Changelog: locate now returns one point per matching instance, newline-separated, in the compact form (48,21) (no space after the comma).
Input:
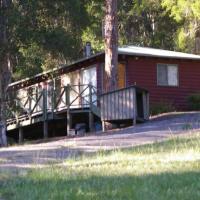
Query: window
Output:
(167,75)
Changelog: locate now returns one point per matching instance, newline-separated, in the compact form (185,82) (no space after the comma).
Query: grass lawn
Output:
(163,171)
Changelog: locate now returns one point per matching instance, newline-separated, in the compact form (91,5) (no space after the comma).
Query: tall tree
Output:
(5,67)
(111,45)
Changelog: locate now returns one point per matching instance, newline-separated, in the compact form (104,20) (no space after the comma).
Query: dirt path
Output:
(56,151)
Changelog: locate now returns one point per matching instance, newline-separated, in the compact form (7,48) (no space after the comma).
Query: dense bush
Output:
(161,107)
(194,101)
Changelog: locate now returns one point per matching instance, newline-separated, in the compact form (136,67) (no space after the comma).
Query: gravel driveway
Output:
(157,129)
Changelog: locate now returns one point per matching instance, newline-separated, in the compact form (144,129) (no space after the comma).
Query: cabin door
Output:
(121,77)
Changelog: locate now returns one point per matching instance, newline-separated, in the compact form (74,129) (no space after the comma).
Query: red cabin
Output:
(166,77)
(170,77)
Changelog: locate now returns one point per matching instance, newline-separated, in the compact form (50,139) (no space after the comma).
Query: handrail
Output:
(25,107)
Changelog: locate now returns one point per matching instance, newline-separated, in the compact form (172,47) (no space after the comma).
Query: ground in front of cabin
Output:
(166,169)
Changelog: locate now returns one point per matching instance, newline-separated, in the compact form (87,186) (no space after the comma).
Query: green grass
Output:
(163,171)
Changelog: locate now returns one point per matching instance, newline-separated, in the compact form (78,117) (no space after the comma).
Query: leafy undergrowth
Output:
(161,171)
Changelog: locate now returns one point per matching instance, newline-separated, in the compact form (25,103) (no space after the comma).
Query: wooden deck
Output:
(29,107)
(45,105)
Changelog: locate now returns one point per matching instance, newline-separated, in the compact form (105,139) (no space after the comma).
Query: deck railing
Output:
(31,102)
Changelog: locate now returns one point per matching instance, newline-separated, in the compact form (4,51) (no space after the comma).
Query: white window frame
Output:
(167,84)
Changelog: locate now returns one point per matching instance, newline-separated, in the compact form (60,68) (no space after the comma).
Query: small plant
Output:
(194,101)
(161,107)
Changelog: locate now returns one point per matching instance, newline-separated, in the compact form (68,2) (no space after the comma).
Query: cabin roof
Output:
(84,62)
(151,52)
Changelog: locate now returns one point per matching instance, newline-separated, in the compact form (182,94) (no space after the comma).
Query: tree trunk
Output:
(111,46)
(197,42)
(5,79)
(5,68)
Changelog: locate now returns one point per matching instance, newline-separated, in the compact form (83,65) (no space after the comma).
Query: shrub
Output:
(194,101)
(161,107)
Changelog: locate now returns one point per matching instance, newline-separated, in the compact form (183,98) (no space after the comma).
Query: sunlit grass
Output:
(161,171)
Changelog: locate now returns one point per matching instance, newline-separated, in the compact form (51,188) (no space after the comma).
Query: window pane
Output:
(172,75)
(162,74)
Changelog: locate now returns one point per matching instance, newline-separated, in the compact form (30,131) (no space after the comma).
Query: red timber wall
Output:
(143,72)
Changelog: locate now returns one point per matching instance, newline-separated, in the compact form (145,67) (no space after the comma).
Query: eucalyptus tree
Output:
(111,45)
(5,66)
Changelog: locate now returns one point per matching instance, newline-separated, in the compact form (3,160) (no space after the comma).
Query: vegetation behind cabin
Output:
(43,35)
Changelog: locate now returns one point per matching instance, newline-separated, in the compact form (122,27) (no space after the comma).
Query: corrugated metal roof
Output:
(151,52)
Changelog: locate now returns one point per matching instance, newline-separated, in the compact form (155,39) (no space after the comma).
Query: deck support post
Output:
(21,135)
(134,107)
(67,100)
(91,121)
(145,97)
(103,126)
(45,129)
(69,121)
(45,122)
(107,125)
(91,116)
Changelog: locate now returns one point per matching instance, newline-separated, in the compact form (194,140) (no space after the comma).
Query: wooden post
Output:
(67,95)
(45,120)
(147,99)
(29,98)
(91,121)
(67,99)
(91,116)
(103,126)
(21,135)
(146,105)
(45,129)
(53,101)
(134,106)
(144,101)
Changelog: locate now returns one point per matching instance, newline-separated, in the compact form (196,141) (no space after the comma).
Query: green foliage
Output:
(30,61)
(44,32)
(142,23)
(186,13)
(194,101)
(162,107)
(146,23)
(93,32)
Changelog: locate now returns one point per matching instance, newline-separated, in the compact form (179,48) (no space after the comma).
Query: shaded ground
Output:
(56,151)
